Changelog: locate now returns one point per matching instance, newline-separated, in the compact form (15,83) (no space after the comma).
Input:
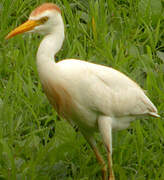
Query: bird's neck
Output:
(50,45)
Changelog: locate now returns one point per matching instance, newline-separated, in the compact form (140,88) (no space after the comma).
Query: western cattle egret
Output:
(94,97)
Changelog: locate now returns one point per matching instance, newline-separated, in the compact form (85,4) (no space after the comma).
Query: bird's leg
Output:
(100,159)
(111,173)
(104,124)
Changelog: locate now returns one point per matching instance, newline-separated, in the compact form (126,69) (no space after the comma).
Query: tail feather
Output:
(154,114)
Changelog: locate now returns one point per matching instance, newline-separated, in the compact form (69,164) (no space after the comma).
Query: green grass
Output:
(34,143)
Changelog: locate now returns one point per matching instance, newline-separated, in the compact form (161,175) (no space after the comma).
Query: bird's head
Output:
(43,20)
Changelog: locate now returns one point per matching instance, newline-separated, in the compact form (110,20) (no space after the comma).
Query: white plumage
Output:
(94,97)
(100,90)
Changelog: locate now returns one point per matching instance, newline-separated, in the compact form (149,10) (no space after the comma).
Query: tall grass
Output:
(34,143)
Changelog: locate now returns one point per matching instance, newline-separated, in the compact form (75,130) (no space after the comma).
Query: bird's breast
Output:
(67,106)
(59,98)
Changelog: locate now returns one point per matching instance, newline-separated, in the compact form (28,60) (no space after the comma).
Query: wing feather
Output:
(106,90)
(124,96)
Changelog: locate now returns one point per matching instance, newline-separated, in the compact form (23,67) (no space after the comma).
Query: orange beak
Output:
(27,26)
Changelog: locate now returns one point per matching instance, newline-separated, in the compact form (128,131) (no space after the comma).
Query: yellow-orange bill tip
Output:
(27,26)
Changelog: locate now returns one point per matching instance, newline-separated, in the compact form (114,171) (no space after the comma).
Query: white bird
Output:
(94,97)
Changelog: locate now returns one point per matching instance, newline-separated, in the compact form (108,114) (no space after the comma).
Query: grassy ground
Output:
(34,143)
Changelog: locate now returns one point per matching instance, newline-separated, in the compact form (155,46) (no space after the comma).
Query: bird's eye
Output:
(43,20)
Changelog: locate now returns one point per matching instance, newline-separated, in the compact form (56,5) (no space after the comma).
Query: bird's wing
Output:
(105,90)
(119,94)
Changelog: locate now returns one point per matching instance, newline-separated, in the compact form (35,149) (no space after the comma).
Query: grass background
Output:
(34,143)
